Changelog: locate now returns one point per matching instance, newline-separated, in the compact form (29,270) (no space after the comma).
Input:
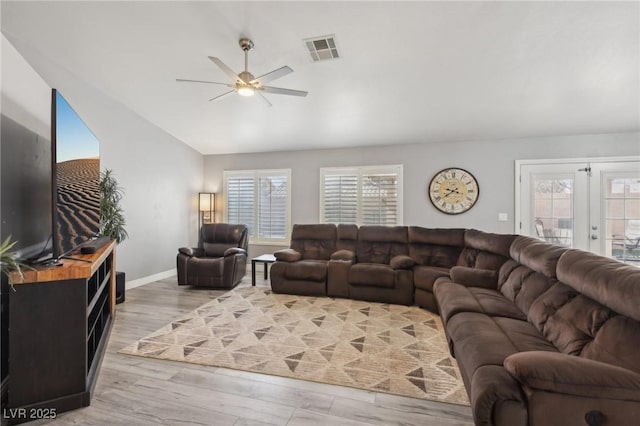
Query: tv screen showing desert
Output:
(77,180)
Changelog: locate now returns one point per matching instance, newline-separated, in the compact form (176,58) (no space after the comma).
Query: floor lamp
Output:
(207,207)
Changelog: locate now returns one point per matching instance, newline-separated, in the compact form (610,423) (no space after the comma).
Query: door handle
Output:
(594,237)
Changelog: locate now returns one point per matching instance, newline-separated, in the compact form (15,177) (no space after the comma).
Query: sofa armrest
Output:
(287,255)
(233,251)
(191,251)
(346,255)
(401,262)
(573,375)
(472,277)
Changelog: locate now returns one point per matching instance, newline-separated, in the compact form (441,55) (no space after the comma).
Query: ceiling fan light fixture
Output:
(246,91)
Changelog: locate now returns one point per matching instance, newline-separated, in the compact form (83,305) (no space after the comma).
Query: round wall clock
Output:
(453,190)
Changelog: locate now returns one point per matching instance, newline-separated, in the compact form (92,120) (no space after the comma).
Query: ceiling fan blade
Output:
(228,71)
(280,91)
(184,80)
(220,96)
(266,101)
(270,76)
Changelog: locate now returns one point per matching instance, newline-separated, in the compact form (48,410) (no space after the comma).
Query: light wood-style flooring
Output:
(139,391)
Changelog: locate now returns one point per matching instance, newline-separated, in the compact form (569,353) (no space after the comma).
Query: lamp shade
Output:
(207,202)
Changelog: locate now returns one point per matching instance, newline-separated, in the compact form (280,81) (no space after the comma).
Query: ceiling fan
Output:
(245,84)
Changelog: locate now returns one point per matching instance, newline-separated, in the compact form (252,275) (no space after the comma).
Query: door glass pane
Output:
(622,209)
(553,208)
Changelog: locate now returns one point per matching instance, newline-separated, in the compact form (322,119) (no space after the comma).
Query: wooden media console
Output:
(60,318)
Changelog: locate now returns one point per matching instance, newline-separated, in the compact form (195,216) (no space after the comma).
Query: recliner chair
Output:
(220,261)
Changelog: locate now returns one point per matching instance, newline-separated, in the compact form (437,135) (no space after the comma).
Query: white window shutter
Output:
(240,201)
(272,206)
(379,199)
(340,198)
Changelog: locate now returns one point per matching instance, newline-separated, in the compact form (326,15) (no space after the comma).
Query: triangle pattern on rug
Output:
(431,324)
(383,386)
(318,320)
(327,351)
(358,343)
(260,333)
(410,330)
(240,313)
(342,316)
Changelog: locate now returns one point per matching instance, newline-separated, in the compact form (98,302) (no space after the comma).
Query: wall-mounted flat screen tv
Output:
(76,176)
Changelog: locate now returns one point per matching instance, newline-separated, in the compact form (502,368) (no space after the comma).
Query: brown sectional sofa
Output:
(542,334)
(552,338)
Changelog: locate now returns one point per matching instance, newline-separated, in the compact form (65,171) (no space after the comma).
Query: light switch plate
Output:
(503,217)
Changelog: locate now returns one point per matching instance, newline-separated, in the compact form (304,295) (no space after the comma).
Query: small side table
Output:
(266,259)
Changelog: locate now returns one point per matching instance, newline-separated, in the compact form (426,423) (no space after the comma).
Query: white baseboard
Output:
(149,279)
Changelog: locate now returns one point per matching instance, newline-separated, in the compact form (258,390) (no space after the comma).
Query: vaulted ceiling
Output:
(409,72)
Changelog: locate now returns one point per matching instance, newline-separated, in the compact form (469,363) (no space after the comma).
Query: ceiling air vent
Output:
(322,48)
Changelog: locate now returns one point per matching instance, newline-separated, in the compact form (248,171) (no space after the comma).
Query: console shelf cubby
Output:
(59,323)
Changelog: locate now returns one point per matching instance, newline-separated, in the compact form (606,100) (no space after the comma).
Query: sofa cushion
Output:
(566,374)
(604,280)
(482,340)
(313,270)
(522,285)
(203,267)
(347,237)
(484,250)
(425,276)
(346,255)
(536,254)
(401,262)
(371,274)
(287,255)
(316,241)
(621,333)
(435,247)
(488,242)
(473,277)
(575,324)
(455,298)
(379,244)
(218,237)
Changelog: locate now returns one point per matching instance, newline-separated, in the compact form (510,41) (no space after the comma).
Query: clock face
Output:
(453,191)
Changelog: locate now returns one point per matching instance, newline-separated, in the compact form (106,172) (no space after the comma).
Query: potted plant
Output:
(112,220)
(9,260)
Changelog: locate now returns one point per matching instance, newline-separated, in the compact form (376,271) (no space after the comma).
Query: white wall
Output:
(161,175)
(491,162)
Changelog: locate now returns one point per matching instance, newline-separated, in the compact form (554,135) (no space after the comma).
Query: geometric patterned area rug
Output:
(374,346)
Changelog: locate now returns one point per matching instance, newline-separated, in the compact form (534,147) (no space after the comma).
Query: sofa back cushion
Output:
(314,241)
(592,310)
(605,280)
(379,244)
(218,237)
(536,254)
(347,237)
(485,250)
(530,272)
(522,285)
(435,247)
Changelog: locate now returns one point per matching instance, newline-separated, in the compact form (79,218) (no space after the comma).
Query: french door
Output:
(591,204)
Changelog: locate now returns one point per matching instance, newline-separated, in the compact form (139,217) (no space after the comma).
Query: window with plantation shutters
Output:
(240,197)
(259,199)
(361,195)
